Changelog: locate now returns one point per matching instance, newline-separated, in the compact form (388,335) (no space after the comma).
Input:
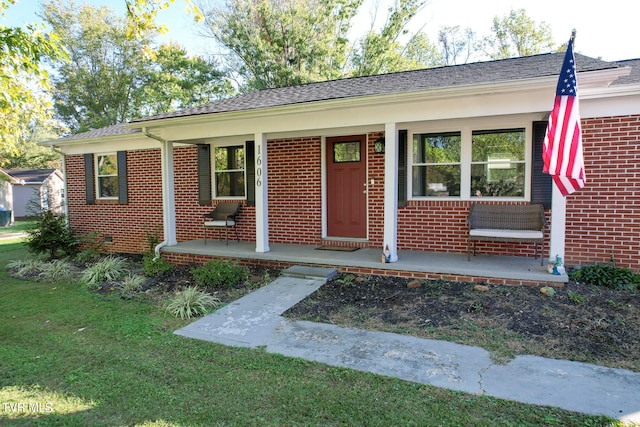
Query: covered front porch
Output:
(421,265)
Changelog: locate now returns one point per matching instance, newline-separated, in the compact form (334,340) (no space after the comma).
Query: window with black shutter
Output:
(541,186)
(402,169)
(204,174)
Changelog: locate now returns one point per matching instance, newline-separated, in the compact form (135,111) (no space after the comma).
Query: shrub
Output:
(50,235)
(131,285)
(56,271)
(107,270)
(220,273)
(153,238)
(191,302)
(153,266)
(26,268)
(608,275)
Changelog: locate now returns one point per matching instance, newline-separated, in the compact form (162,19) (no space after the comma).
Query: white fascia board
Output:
(104,144)
(601,79)
(4,176)
(627,103)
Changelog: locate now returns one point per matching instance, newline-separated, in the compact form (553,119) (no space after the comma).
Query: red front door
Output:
(346,185)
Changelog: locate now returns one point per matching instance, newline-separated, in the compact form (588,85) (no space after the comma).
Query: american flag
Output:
(562,150)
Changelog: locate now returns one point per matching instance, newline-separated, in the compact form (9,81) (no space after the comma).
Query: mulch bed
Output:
(579,322)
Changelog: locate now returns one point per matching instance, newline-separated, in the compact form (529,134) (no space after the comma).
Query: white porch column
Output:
(558,224)
(262,201)
(391,190)
(168,193)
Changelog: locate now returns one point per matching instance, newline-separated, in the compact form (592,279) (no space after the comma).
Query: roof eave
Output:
(79,145)
(587,80)
(350,102)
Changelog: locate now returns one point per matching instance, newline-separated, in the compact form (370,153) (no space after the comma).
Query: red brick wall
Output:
(603,218)
(375,171)
(295,191)
(441,226)
(126,224)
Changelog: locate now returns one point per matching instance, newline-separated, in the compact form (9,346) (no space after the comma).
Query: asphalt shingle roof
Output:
(506,70)
(113,130)
(632,78)
(431,78)
(30,175)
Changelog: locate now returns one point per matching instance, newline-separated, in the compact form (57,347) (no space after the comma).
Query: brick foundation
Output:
(192,259)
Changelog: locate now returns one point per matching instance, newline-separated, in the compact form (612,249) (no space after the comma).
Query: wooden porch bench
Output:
(223,216)
(506,223)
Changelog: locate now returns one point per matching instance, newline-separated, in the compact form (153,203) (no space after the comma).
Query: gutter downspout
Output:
(168,195)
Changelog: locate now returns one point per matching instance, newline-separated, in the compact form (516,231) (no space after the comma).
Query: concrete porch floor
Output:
(493,269)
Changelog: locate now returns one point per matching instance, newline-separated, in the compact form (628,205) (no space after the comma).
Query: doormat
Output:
(337,248)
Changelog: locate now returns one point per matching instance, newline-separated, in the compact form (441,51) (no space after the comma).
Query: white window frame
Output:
(427,164)
(500,163)
(466,129)
(96,159)
(214,182)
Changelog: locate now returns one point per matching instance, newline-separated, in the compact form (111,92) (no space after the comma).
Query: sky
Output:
(610,31)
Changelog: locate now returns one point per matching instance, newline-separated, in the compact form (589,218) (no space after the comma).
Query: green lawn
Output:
(16,227)
(71,357)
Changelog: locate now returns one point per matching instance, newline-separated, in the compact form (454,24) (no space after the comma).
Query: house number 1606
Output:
(259,167)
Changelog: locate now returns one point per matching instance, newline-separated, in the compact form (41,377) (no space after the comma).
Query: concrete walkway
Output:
(7,236)
(255,320)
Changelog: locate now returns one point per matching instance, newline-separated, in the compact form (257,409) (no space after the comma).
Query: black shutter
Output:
(204,174)
(402,168)
(540,182)
(251,173)
(89,178)
(123,197)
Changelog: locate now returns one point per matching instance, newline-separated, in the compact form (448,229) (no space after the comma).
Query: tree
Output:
(50,235)
(517,35)
(174,81)
(382,52)
(457,46)
(112,78)
(29,155)
(22,80)
(282,42)
(141,15)
(421,53)
(94,88)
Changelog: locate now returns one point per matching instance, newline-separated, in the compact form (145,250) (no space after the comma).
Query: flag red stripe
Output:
(565,111)
(562,147)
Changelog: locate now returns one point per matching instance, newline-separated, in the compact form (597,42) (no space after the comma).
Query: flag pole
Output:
(558,224)
(558,211)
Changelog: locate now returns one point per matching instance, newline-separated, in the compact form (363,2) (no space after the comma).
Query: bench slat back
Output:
(224,211)
(507,217)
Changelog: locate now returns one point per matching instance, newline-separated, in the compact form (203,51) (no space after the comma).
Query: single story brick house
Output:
(389,160)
